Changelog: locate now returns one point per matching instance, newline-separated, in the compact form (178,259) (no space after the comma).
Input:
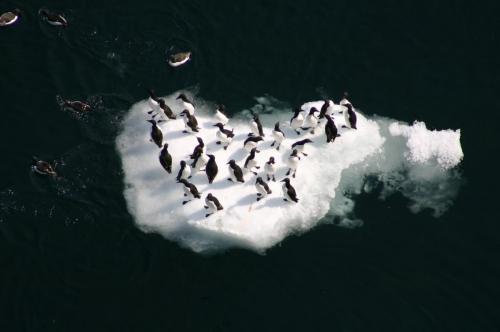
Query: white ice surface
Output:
(325,178)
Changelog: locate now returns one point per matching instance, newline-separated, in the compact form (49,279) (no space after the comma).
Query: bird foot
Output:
(255,173)
(286,200)
(184,202)
(185,195)
(305,154)
(259,198)
(230,180)
(344,126)
(206,207)
(185,131)
(208,215)
(218,142)
(273,144)
(259,194)
(257,167)
(297,132)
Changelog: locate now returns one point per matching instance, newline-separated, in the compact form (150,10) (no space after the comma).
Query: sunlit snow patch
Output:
(379,147)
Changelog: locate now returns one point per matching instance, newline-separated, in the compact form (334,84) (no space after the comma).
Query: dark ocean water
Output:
(71,257)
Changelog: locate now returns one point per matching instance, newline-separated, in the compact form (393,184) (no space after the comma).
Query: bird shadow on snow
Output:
(238,155)
(222,184)
(246,200)
(271,203)
(173,135)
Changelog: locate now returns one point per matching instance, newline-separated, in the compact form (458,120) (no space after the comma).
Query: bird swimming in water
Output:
(42,167)
(77,106)
(156,133)
(289,193)
(178,59)
(53,18)
(262,188)
(9,18)
(212,204)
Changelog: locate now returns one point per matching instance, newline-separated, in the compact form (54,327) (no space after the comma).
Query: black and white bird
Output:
(53,18)
(153,100)
(184,171)
(220,114)
(224,136)
(278,136)
(190,122)
(156,133)
(198,162)
(251,143)
(42,167)
(186,103)
(197,149)
(350,117)
(235,172)
(9,18)
(297,120)
(270,169)
(211,168)
(262,188)
(178,59)
(344,100)
(166,159)
(311,121)
(250,162)
(77,106)
(326,109)
(331,130)
(289,194)
(190,191)
(300,145)
(212,204)
(293,163)
(256,126)
(167,111)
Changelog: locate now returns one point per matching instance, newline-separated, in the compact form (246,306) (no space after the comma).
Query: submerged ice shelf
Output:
(379,146)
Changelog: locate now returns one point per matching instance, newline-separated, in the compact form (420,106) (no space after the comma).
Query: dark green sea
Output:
(71,257)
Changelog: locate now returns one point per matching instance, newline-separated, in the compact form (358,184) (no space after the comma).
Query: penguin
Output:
(293,162)
(9,18)
(178,59)
(256,127)
(166,110)
(326,109)
(198,149)
(262,188)
(77,106)
(200,161)
(270,169)
(53,18)
(186,103)
(235,172)
(184,171)
(311,121)
(220,114)
(250,162)
(300,145)
(278,136)
(152,100)
(166,159)
(251,143)
(225,136)
(289,193)
(212,204)
(344,100)
(330,129)
(211,168)
(350,117)
(190,191)
(42,167)
(156,134)
(297,120)
(190,122)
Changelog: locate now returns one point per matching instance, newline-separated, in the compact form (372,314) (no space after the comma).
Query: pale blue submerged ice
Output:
(383,153)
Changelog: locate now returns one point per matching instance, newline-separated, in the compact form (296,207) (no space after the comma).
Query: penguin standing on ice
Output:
(156,134)
(300,145)
(251,143)
(311,121)
(297,120)
(186,103)
(197,149)
(166,159)
(293,162)
(220,114)
(166,110)
(344,100)
(212,204)
(256,127)
(190,122)
(330,130)
(184,171)
(198,162)
(262,188)
(270,169)
(225,136)
(350,117)
(211,168)
(250,162)
(278,136)
(235,172)
(190,191)
(289,193)
(153,100)
(326,109)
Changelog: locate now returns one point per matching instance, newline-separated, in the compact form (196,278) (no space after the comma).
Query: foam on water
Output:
(409,159)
